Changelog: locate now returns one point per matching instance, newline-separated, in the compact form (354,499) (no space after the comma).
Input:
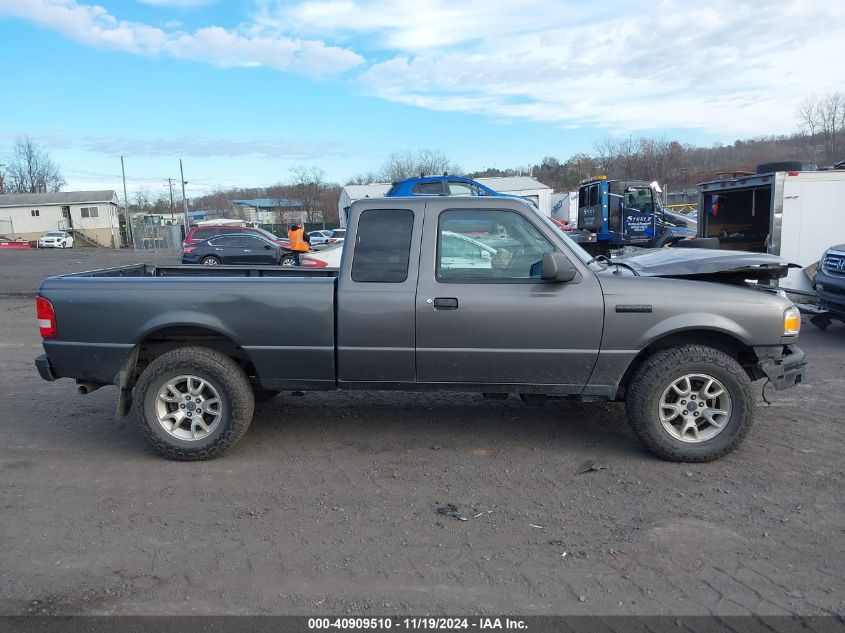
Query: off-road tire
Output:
(655,375)
(218,369)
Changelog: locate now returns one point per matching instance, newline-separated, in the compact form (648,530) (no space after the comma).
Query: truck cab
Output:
(626,213)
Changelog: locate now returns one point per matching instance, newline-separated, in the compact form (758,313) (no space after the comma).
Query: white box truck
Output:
(794,214)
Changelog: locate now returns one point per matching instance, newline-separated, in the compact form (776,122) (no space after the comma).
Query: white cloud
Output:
(720,66)
(176,3)
(242,46)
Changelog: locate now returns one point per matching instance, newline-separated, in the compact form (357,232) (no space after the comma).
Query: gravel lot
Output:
(329,503)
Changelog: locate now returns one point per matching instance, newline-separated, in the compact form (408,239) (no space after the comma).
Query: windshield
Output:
(639,198)
(54,234)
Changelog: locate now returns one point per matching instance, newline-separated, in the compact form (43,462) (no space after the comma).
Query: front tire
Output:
(193,403)
(287,260)
(690,404)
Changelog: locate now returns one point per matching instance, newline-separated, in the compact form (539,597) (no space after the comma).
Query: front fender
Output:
(697,321)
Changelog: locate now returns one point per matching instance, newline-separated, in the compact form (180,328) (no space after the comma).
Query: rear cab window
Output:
(383,246)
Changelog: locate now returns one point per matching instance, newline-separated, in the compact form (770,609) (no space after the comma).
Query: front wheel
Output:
(690,404)
(287,260)
(193,403)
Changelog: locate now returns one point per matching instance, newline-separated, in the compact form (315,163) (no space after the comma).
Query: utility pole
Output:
(184,198)
(126,217)
(170,184)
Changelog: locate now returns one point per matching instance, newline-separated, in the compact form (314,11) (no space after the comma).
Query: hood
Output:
(706,264)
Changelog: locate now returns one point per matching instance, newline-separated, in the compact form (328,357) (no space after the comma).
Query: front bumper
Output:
(45,369)
(785,369)
(831,291)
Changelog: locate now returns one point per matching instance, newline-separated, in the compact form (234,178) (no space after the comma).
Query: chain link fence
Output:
(150,233)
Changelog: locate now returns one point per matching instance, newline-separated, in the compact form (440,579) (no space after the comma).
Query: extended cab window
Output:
(383,246)
(488,245)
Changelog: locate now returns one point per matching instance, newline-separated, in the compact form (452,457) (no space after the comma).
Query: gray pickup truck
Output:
(446,294)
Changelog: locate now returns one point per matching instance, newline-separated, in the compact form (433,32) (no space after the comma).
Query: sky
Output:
(244,90)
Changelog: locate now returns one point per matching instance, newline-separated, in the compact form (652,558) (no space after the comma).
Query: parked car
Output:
(197,234)
(56,239)
(191,350)
(233,248)
(445,186)
(829,284)
(337,236)
(320,237)
(328,257)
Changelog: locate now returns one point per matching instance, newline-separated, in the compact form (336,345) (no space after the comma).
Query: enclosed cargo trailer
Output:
(794,214)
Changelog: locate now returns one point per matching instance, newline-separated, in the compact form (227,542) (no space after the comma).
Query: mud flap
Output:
(125,383)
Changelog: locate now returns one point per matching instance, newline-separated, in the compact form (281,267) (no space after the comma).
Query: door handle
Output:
(446,303)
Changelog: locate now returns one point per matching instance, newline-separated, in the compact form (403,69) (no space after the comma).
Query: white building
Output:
(513,185)
(89,215)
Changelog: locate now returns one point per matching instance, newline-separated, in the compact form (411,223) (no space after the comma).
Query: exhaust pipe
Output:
(85,388)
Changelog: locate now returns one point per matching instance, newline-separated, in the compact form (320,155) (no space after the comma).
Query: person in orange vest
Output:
(299,241)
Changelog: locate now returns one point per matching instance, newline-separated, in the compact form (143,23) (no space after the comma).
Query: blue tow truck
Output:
(628,213)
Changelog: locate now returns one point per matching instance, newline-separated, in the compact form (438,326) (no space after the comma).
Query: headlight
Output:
(791,321)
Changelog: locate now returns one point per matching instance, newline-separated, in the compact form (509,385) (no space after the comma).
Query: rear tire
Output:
(210,260)
(158,404)
(651,399)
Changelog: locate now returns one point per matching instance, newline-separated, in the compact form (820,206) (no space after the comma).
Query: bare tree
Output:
(607,152)
(308,185)
(406,164)
(808,124)
(824,116)
(31,170)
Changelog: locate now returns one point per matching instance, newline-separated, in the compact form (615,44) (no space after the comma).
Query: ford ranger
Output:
(464,294)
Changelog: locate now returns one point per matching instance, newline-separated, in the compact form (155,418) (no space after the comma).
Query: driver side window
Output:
(488,246)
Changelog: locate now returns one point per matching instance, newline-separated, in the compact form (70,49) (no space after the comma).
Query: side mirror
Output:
(267,247)
(557,267)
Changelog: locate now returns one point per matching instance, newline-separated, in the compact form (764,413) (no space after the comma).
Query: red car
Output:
(197,234)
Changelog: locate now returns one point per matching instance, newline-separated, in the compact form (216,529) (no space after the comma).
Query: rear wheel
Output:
(690,404)
(210,260)
(193,403)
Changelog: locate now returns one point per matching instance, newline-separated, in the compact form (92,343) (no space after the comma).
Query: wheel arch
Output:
(721,340)
(163,335)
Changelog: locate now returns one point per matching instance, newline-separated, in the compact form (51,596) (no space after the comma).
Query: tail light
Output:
(46,318)
(189,249)
(332,240)
(310,262)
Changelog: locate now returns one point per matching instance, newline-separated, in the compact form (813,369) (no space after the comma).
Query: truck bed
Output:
(150,270)
(282,319)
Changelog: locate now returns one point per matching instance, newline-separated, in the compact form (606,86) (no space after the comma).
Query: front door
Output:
(483,314)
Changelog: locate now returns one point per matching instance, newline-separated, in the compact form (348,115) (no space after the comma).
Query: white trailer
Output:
(565,207)
(794,214)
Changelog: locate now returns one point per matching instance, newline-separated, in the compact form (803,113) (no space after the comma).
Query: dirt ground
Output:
(329,504)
